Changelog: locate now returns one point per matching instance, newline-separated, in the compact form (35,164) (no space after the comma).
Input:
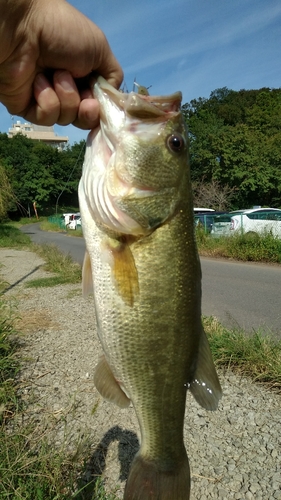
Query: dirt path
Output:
(234,453)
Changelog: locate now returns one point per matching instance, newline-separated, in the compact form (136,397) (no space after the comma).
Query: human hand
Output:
(48,50)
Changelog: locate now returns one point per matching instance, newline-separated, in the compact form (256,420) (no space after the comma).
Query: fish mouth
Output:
(138,105)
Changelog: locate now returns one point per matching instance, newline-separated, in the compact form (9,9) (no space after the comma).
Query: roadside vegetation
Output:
(257,356)
(55,225)
(11,237)
(256,248)
(32,469)
(58,263)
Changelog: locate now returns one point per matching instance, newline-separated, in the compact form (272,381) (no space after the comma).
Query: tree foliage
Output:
(38,172)
(235,140)
(6,193)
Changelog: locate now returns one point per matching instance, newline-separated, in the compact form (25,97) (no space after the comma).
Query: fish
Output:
(142,266)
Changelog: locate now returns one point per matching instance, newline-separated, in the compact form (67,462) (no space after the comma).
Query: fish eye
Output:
(175,143)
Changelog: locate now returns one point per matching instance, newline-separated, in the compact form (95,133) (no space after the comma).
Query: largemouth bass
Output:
(143,267)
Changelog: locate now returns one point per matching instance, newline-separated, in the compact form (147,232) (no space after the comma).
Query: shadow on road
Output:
(127,448)
(10,287)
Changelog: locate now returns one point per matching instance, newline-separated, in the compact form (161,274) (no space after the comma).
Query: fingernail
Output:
(64,79)
(41,82)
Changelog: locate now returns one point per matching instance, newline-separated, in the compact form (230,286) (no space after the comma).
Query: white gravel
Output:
(234,453)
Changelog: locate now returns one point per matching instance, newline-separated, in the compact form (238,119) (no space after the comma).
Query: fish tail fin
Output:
(205,386)
(148,481)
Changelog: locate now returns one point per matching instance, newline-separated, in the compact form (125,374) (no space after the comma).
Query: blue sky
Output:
(195,46)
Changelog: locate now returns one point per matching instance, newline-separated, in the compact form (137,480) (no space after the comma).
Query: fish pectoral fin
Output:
(205,385)
(108,386)
(87,279)
(124,271)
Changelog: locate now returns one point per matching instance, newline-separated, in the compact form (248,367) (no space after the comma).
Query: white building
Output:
(39,133)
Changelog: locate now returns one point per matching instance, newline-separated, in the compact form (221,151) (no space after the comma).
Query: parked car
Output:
(250,221)
(71,220)
(257,221)
(67,217)
(206,220)
(75,221)
(222,224)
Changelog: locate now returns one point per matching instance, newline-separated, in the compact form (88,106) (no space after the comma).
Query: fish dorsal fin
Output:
(87,278)
(124,271)
(108,386)
(205,386)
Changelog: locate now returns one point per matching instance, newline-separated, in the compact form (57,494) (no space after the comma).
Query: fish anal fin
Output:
(87,278)
(150,481)
(124,271)
(205,385)
(108,386)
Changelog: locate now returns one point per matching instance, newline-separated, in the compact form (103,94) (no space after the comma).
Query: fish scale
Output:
(147,285)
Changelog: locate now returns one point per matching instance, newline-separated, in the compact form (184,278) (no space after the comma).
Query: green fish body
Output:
(143,267)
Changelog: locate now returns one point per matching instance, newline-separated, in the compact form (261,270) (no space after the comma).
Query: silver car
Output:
(222,224)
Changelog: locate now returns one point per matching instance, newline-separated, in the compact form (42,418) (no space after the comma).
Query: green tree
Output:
(39,172)
(235,140)
(6,193)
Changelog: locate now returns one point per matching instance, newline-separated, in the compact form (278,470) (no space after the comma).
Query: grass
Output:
(46,225)
(257,248)
(11,237)
(62,265)
(8,363)
(257,356)
(31,469)
(24,221)
(56,225)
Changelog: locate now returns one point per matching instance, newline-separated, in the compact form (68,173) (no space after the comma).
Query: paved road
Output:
(73,245)
(239,294)
(242,294)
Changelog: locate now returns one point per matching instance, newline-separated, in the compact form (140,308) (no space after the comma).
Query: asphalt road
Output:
(238,294)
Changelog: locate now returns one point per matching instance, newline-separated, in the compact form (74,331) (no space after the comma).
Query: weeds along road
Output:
(239,294)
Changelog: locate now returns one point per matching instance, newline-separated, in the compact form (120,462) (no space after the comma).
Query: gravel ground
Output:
(234,453)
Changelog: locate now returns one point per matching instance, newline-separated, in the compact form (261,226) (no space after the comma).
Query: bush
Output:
(257,248)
